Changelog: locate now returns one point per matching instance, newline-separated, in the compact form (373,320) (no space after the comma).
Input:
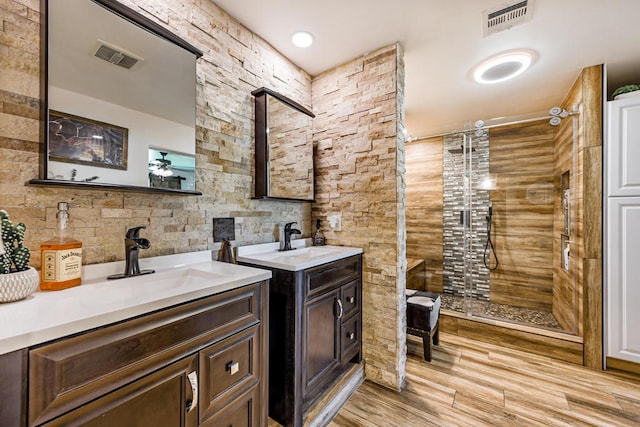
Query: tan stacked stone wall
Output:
(360,159)
(235,62)
(359,174)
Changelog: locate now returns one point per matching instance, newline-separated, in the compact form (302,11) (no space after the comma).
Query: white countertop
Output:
(303,256)
(44,316)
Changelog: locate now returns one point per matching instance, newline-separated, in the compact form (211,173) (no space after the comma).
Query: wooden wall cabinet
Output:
(315,334)
(202,363)
(283,148)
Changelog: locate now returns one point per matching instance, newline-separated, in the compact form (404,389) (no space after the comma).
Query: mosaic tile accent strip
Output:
(459,222)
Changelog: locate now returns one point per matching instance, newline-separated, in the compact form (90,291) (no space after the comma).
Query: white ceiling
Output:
(442,41)
(73,66)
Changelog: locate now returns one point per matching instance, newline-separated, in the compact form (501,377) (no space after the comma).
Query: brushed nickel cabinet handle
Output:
(341,309)
(193,381)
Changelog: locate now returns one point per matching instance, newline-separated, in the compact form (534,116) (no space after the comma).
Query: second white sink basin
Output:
(301,257)
(302,253)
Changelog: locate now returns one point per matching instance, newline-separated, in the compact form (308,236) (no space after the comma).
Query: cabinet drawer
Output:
(349,338)
(68,373)
(350,298)
(227,369)
(326,276)
(242,412)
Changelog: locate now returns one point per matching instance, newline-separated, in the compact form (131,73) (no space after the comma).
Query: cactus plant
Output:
(14,256)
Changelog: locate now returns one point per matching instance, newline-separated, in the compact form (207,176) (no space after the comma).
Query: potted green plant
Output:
(624,90)
(17,279)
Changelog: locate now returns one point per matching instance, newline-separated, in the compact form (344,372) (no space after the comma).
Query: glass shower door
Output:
(519,238)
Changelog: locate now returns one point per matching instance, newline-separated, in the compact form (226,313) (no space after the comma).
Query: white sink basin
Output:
(301,257)
(298,254)
(186,277)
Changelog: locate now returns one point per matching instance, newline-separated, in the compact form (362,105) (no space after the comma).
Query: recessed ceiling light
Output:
(302,39)
(503,66)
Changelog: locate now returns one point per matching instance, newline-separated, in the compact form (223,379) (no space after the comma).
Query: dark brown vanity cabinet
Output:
(314,334)
(202,363)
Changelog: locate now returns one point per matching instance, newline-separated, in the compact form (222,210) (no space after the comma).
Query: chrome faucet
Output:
(132,243)
(288,231)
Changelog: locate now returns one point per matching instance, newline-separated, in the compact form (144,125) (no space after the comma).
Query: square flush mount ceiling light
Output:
(503,66)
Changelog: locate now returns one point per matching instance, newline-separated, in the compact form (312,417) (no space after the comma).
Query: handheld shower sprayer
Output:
(488,247)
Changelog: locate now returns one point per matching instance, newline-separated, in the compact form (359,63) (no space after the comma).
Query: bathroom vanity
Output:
(182,347)
(315,324)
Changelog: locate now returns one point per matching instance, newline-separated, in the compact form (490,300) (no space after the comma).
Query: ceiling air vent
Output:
(116,55)
(506,16)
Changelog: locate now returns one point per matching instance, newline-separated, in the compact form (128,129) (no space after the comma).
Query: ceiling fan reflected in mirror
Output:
(161,167)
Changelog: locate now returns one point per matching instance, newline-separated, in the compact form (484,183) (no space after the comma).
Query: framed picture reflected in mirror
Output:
(74,139)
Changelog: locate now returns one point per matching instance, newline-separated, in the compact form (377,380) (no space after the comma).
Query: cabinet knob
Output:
(351,335)
(233,367)
(351,300)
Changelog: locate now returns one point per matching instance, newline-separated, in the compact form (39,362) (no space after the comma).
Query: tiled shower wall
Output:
(455,165)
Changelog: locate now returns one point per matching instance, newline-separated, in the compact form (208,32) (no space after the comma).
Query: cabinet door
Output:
(321,340)
(623,147)
(623,278)
(162,399)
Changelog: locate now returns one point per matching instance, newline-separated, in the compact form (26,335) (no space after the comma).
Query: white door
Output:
(624,147)
(623,278)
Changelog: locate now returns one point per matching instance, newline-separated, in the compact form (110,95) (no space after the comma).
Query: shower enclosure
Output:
(508,204)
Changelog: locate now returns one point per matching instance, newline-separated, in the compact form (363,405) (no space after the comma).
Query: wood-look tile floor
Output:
(470,383)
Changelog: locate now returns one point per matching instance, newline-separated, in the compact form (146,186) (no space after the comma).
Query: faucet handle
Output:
(143,243)
(132,233)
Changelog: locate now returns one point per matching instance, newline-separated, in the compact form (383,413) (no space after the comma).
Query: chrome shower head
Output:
(559,112)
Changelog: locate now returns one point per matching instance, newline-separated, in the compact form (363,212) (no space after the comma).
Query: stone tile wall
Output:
(359,174)
(235,62)
(359,145)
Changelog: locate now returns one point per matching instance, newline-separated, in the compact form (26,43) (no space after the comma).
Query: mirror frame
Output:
(134,18)
(261,164)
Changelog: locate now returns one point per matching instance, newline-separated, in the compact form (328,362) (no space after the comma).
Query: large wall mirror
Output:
(284,148)
(121,91)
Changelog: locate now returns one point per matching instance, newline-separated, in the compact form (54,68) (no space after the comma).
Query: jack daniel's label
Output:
(62,265)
